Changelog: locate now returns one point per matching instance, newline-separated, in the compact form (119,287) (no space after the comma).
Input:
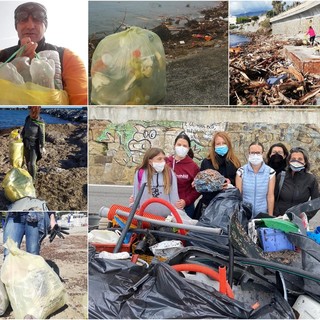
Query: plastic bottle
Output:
(9,72)
(42,72)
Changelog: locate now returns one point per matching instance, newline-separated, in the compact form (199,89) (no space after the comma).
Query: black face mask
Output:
(277,163)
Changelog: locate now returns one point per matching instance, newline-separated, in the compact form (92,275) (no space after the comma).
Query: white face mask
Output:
(181,151)
(255,159)
(158,166)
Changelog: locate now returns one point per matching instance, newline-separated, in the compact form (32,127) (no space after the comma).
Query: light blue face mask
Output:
(221,150)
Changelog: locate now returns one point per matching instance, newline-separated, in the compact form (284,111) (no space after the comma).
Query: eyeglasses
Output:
(37,15)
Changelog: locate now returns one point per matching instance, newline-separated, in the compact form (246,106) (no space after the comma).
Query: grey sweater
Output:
(157,187)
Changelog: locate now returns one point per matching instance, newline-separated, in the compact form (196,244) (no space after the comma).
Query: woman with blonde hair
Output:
(222,158)
(33,135)
(161,182)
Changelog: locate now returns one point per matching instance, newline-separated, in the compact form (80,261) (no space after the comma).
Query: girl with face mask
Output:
(298,185)
(276,157)
(186,170)
(223,159)
(160,179)
(256,181)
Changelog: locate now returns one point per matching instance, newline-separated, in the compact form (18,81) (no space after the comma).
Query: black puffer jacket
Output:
(297,188)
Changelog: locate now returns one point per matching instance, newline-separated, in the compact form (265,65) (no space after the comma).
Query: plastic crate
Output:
(274,240)
(109,247)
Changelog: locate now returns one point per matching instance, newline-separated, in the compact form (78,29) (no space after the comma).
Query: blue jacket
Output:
(255,188)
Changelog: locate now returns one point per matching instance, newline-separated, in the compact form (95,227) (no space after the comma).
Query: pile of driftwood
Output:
(260,75)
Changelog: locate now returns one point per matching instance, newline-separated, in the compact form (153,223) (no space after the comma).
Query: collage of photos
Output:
(160,159)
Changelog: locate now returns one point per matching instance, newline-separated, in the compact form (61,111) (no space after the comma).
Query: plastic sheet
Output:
(129,68)
(34,289)
(18,184)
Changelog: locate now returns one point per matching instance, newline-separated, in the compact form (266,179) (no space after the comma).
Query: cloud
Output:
(240,7)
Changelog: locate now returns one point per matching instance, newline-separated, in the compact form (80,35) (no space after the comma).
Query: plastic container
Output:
(307,308)
(274,240)
(109,247)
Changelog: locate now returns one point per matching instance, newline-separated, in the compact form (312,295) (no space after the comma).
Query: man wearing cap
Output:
(31,23)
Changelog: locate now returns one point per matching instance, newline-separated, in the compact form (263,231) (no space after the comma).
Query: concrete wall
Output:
(297,25)
(117,143)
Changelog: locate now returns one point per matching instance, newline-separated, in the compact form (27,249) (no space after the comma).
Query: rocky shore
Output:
(73,115)
(62,172)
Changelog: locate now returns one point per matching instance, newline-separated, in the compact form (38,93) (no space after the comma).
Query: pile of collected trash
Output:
(224,265)
(38,81)
(260,75)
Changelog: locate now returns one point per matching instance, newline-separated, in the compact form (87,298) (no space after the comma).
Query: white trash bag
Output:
(34,289)
(4,300)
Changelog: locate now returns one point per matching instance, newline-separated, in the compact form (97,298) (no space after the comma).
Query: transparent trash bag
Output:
(129,68)
(42,72)
(16,149)
(34,289)
(22,65)
(18,184)
(9,72)
(4,300)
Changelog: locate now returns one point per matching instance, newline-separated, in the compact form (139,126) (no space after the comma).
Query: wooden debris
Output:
(260,74)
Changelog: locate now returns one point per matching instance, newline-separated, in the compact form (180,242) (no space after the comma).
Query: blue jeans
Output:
(16,227)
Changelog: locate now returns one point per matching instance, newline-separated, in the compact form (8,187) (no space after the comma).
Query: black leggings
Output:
(312,39)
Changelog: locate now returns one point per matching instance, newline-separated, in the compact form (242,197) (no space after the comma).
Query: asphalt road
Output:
(107,195)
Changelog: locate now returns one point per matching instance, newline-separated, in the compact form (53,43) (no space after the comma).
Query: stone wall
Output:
(117,145)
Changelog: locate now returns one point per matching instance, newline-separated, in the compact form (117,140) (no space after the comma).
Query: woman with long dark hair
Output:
(185,169)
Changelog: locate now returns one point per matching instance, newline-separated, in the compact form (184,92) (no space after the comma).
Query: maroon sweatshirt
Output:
(185,170)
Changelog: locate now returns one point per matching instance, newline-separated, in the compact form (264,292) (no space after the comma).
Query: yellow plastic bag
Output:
(16,149)
(30,94)
(34,289)
(18,184)
(129,68)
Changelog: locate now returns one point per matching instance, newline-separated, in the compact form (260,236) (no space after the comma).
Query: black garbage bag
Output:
(110,285)
(120,289)
(222,206)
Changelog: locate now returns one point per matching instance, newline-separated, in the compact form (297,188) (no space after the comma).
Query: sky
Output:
(67,25)
(240,7)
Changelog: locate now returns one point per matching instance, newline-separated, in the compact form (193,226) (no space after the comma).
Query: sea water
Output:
(107,16)
(237,39)
(15,118)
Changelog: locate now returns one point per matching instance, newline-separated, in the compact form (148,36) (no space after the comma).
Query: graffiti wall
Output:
(117,148)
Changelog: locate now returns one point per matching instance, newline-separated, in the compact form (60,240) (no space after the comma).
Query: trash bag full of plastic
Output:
(18,184)
(35,291)
(129,68)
